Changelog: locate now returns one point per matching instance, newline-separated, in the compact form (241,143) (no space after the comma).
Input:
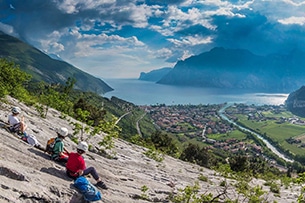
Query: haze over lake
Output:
(149,93)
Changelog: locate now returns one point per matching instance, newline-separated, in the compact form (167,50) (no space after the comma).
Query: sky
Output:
(122,38)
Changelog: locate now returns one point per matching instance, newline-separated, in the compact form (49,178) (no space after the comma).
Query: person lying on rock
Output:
(16,125)
(60,153)
(76,166)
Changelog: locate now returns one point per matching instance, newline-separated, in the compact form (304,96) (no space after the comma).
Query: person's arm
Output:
(82,165)
(61,148)
(80,172)
(65,149)
(9,120)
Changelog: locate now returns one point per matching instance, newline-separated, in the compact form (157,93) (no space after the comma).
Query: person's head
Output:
(16,110)
(62,132)
(82,147)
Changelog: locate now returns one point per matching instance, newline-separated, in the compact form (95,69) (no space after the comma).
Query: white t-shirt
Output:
(13,120)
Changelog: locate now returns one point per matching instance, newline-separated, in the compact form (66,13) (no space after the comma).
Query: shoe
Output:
(102,185)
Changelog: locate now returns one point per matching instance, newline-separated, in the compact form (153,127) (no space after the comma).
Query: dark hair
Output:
(60,136)
(80,151)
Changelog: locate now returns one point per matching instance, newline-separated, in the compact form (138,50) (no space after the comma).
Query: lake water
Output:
(149,93)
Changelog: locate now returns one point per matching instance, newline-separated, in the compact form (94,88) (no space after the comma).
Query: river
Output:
(268,144)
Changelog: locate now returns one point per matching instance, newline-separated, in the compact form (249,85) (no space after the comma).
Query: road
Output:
(137,123)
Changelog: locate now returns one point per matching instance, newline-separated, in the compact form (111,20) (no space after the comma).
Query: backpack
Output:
(87,189)
(32,140)
(50,145)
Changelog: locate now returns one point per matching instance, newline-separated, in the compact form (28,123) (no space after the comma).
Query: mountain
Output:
(240,69)
(154,75)
(44,68)
(295,102)
(28,175)
(54,56)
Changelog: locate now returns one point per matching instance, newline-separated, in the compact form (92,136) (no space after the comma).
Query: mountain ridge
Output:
(44,68)
(295,102)
(239,69)
(154,75)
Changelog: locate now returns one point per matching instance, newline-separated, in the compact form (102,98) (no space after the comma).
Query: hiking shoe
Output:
(102,185)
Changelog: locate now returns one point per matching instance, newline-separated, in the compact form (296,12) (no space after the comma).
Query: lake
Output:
(149,93)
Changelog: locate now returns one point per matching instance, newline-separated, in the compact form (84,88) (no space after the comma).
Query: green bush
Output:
(203,178)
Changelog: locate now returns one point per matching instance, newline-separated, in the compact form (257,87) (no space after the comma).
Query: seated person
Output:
(76,166)
(60,153)
(16,126)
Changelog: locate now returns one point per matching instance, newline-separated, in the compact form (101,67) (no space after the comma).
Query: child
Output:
(16,126)
(60,153)
(76,166)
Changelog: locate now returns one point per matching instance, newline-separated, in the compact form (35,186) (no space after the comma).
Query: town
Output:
(200,121)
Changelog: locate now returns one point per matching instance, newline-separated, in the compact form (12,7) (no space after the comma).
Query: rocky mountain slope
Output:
(240,69)
(44,68)
(296,102)
(27,174)
(154,75)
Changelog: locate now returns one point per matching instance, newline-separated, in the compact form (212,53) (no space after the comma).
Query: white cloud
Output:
(186,54)
(191,41)
(140,15)
(74,6)
(51,44)
(8,29)
(178,20)
(163,53)
(295,3)
(293,20)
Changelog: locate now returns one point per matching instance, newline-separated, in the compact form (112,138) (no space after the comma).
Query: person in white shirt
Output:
(16,125)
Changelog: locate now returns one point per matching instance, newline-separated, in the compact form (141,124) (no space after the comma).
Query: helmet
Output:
(63,132)
(83,146)
(16,110)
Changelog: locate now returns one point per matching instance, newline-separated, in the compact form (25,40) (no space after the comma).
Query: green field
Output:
(234,134)
(278,132)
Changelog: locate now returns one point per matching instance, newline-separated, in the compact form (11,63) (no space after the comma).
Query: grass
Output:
(278,132)
(234,134)
(285,114)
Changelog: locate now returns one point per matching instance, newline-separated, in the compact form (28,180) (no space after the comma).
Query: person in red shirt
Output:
(76,166)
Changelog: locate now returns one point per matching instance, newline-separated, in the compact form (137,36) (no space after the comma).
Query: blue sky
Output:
(121,38)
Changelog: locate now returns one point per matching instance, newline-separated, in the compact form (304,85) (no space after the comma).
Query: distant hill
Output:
(295,102)
(43,68)
(154,75)
(240,69)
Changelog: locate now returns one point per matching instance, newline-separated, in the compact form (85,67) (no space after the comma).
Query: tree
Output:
(13,80)
(190,153)
(239,163)
(164,143)
(110,128)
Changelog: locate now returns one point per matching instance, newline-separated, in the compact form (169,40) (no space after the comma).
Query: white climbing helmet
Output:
(82,146)
(63,132)
(16,110)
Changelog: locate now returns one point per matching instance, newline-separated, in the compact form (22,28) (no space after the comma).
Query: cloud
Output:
(293,20)
(8,29)
(111,38)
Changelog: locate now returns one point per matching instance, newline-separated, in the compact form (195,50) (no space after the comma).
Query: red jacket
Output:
(75,163)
